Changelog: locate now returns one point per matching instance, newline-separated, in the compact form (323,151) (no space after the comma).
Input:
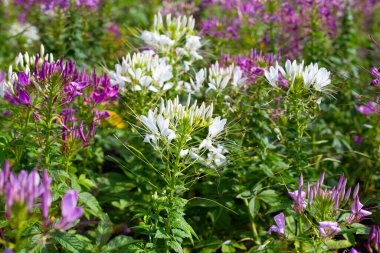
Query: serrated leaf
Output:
(92,205)
(161,234)
(175,246)
(68,242)
(117,243)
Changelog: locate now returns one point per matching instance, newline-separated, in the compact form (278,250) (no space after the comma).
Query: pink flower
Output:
(357,213)
(328,228)
(70,211)
(280,227)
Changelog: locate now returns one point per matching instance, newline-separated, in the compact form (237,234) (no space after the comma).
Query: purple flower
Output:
(357,139)
(299,197)
(328,228)
(374,234)
(23,79)
(357,213)
(23,97)
(114,28)
(23,189)
(70,211)
(354,251)
(280,227)
(367,109)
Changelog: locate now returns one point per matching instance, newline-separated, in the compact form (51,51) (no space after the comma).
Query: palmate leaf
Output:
(68,242)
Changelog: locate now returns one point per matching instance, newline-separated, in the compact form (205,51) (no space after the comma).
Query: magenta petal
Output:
(69,203)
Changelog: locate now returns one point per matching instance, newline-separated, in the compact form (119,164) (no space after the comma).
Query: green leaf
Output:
(92,205)
(68,242)
(175,246)
(161,234)
(341,244)
(253,207)
(226,248)
(117,243)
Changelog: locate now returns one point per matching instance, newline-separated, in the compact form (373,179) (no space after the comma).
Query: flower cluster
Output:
(323,205)
(173,48)
(312,76)
(175,35)
(174,122)
(373,106)
(286,16)
(216,79)
(56,90)
(144,71)
(26,190)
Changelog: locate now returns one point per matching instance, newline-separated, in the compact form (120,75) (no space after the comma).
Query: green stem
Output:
(253,225)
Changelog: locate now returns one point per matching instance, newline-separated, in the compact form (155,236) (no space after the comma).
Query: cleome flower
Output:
(328,228)
(174,35)
(279,228)
(312,76)
(143,71)
(357,211)
(177,124)
(27,190)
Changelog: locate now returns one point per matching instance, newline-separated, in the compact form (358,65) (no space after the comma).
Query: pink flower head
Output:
(70,211)
(328,228)
(280,227)
(357,213)
(367,109)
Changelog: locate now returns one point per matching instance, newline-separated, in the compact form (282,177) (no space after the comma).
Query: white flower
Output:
(193,43)
(219,77)
(150,122)
(238,79)
(216,156)
(273,74)
(216,127)
(163,125)
(30,32)
(316,77)
(158,128)
(158,41)
(292,70)
(183,152)
(322,79)
(309,74)
(162,73)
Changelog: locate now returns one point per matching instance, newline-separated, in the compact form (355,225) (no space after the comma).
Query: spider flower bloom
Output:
(328,228)
(299,197)
(280,227)
(367,109)
(70,211)
(22,190)
(357,213)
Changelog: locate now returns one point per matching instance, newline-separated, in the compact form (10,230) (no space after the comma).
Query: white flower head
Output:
(315,77)
(216,127)
(273,74)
